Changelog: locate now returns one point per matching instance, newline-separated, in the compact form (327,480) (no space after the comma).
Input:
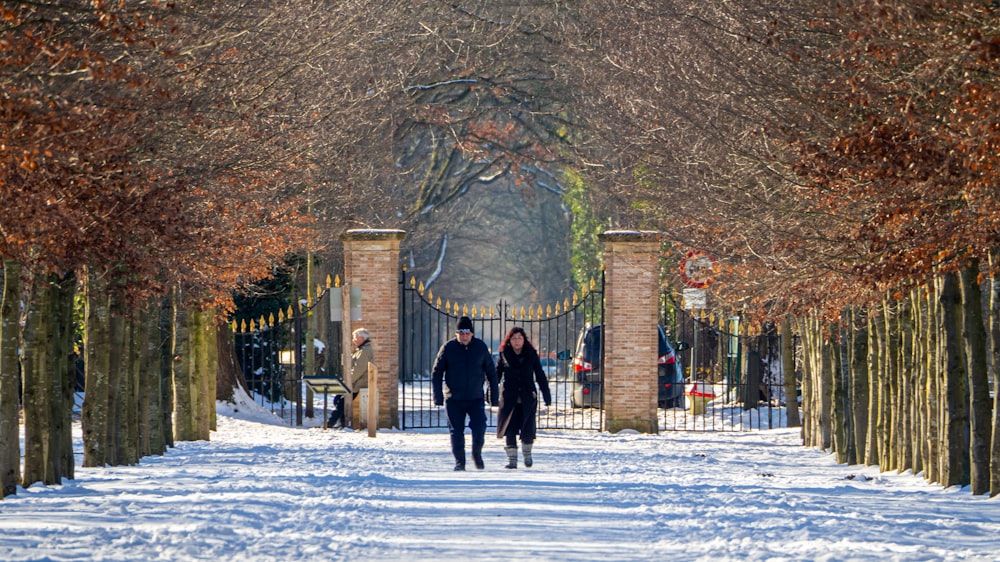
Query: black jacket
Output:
(519,373)
(463,369)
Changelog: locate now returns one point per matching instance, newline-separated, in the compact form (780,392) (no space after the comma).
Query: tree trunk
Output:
(131,436)
(788,372)
(840,407)
(311,334)
(65,375)
(920,351)
(117,354)
(184,426)
(828,364)
(96,342)
(880,396)
(206,367)
(195,375)
(871,408)
(994,342)
(955,468)
(197,365)
(810,376)
(168,337)
(890,407)
(980,413)
(937,367)
(230,374)
(933,338)
(906,378)
(150,440)
(859,381)
(36,386)
(10,380)
(807,417)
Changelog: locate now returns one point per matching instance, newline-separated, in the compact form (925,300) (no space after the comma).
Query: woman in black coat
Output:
(518,369)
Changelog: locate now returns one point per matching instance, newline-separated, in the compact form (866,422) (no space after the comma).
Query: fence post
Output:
(372,417)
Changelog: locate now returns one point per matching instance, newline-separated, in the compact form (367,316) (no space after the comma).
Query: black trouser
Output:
(457,412)
(339,411)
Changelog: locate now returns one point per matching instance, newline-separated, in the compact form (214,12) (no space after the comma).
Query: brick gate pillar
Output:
(371,262)
(631,296)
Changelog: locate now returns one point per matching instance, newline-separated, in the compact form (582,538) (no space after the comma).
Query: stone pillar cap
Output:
(629,235)
(373,234)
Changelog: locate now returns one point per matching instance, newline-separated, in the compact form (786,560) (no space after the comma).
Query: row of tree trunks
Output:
(139,364)
(906,386)
(48,377)
(816,385)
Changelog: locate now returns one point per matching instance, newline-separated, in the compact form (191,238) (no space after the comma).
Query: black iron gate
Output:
(427,321)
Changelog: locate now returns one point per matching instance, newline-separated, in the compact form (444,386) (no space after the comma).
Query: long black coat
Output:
(518,376)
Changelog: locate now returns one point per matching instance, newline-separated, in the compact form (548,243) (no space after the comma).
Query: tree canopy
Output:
(821,149)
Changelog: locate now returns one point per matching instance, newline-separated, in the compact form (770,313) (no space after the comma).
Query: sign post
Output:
(697,272)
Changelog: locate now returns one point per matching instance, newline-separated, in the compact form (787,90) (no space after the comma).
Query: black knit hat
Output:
(464,323)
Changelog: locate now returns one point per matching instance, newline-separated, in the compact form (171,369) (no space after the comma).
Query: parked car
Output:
(587,384)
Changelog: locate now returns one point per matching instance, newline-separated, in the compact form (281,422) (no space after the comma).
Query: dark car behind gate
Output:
(588,368)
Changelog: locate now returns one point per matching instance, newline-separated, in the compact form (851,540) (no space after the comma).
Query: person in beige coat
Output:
(362,356)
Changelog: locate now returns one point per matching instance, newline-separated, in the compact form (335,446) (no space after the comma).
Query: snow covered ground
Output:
(261,490)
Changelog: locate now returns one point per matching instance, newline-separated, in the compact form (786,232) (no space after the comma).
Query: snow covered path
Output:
(260,491)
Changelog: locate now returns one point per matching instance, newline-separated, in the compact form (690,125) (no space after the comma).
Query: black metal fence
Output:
(274,354)
(428,321)
(735,379)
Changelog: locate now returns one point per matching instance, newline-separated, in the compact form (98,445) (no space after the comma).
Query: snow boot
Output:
(511,457)
(526,447)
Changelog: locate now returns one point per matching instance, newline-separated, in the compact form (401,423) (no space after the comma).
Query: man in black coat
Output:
(462,365)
